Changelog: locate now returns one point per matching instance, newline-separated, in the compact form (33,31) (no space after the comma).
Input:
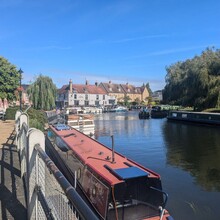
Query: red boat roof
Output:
(99,157)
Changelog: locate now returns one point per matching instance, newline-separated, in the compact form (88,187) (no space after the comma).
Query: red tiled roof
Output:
(80,88)
(112,88)
(122,88)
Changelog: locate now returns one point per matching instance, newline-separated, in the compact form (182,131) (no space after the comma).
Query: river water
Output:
(186,156)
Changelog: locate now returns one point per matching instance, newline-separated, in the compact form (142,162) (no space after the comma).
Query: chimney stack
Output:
(71,86)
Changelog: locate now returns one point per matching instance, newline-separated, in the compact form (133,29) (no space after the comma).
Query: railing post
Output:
(35,137)
(24,125)
(17,123)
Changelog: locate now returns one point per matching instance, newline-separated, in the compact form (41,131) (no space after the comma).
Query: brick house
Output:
(121,90)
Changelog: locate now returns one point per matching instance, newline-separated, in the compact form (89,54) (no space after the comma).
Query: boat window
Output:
(73,123)
(184,115)
(79,173)
(51,135)
(61,144)
(88,123)
(96,191)
(174,114)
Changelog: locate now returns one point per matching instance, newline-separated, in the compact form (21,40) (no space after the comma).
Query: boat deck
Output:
(99,157)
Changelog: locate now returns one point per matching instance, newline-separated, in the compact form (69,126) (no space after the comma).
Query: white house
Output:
(82,95)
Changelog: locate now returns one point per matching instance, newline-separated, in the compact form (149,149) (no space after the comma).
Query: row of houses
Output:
(103,94)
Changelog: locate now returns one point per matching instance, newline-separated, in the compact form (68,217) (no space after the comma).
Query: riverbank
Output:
(6,128)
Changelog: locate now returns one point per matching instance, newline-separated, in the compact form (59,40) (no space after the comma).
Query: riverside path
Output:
(12,196)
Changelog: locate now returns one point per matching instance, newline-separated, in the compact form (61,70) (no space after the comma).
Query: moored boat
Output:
(118,109)
(82,122)
(144,113)
(195,117)
(158,112)
(115,186)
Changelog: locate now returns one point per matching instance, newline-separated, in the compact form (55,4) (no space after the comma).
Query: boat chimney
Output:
(113,152)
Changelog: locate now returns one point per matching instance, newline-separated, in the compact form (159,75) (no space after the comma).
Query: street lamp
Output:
(20,91)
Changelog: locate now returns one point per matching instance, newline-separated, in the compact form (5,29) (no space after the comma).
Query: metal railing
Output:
(49,194)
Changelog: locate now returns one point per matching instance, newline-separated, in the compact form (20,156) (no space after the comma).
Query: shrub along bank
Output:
(37,118)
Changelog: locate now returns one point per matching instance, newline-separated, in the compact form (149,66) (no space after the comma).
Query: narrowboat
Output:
(204,118)
(158,112)
(82,122)
(144,113)
(114,186)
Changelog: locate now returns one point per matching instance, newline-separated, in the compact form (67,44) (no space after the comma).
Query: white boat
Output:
(82,122)
(118,109)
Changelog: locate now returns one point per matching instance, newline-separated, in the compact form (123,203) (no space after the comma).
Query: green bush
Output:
(213,110)
(34,123)
(10,113)
(37,118)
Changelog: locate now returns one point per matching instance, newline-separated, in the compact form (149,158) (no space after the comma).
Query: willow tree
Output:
(43,93)
(9,79)
(195,82)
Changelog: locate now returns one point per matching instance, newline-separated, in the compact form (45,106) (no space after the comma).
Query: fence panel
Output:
(49,194)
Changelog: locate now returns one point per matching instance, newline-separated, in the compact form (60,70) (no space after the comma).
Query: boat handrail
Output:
(165,201)
(164,193)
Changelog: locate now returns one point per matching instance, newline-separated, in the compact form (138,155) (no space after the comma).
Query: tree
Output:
(126,100)
(9,79)
(43,93)
(137,101)
(195,82)
(149,89)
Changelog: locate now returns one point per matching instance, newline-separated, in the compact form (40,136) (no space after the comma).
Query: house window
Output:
(97,97)
(76,102)
(75,96)
(103,97)
(86,103)
(86,97)
(96,103)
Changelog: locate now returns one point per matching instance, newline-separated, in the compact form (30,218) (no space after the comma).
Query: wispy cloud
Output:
(139,38)
(129,39)
(170,51)
(176,50)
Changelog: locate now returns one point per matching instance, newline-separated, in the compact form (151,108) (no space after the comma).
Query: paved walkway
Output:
(12,196)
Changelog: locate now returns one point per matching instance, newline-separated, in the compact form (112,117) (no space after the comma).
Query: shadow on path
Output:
(12,196)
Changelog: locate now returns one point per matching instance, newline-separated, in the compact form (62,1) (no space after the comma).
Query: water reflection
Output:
(195,149)
(185,156)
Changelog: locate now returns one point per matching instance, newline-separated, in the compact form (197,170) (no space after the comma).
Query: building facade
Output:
(73,95)
(120,91)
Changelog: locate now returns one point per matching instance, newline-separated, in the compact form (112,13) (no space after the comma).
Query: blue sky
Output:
(100,40)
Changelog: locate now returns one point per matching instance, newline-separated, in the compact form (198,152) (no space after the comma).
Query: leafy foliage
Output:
(37,119)
(43,93)
(195,82)
(149,89)
(9,79)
